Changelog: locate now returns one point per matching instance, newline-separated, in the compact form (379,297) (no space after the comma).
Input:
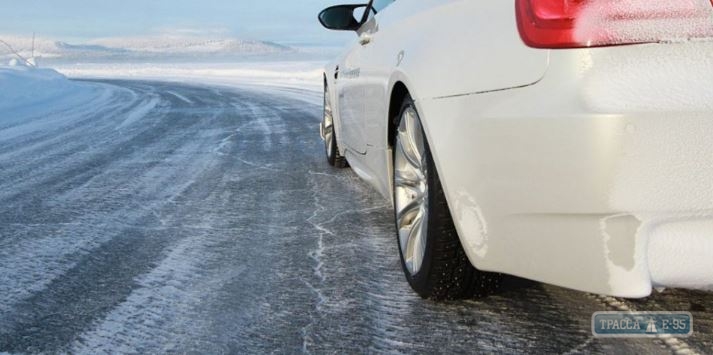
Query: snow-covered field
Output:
(297,74)
(216,60)
(163,46)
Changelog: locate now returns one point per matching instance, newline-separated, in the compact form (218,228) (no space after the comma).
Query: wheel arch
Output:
(398,88)
(399,91)
(328,87)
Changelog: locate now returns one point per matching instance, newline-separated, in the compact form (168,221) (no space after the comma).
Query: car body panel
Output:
(407,38)
(351,101)
(447,44)
(565,178)
(558,165)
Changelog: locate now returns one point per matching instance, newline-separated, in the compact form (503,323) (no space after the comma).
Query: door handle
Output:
(364,38)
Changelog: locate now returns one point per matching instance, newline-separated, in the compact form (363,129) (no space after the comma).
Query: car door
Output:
(378,60)
(359,85)
(351,101)
(350,88)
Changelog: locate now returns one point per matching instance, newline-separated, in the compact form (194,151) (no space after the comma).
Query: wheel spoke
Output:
(402,161)
(406,214)
(415,246)
(404,180)
(328,145)
(408,198)
(407,149)
(404,234)
(414,137)
(408,182)
(328,133)
(328,125)
(327,107)
(411,190)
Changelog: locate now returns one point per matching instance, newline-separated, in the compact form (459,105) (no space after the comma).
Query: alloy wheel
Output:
(328,126)
(411,190)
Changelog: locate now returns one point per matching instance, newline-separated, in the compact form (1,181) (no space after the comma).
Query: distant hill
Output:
(142,48)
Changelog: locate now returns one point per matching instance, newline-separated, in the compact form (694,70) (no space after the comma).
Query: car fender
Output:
(454,57)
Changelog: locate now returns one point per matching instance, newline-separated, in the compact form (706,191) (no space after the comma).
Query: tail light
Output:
(589,23)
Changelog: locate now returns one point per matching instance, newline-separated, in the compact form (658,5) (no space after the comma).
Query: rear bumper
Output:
(587,178)
(680,253)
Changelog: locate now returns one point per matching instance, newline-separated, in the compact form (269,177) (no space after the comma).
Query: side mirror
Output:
(340,17)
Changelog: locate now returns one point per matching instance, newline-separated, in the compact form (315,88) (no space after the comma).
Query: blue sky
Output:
(284,21)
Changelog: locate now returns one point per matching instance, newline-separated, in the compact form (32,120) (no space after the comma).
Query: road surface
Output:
(174,218)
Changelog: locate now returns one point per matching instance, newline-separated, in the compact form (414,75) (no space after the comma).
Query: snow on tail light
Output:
(590,23)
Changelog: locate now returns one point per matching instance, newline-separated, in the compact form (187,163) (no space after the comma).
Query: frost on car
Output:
(564,141)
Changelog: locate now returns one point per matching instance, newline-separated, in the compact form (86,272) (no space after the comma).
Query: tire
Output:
(444,271)
(331,146)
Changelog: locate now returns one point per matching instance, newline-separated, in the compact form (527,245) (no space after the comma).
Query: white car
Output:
(564,141)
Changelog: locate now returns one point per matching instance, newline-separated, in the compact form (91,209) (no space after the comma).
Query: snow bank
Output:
(20,86)
(303,74)
(27,89)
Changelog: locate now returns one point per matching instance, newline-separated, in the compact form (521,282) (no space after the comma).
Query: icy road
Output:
(155,218)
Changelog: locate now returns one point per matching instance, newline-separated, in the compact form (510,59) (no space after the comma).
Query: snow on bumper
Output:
(595,178)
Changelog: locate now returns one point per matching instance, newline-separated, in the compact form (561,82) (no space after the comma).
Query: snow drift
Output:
(306,75)
(28,90)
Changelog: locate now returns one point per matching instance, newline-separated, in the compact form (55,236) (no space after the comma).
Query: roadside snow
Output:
(20,85)
(209,59)
(25,90)
(306,75)
(28,91)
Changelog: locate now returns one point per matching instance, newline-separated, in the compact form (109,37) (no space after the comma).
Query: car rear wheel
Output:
(334,158)
(432,257)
